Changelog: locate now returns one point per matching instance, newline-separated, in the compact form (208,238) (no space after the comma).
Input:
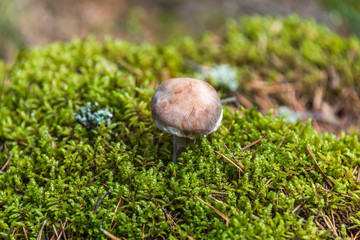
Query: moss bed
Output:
(66,170)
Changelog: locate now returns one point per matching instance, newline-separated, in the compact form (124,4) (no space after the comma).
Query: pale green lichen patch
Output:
(91,118)
(55,170)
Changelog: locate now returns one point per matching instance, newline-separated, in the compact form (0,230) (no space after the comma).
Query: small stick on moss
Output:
(281,143)
(41,230)
(113,227)
(25,144)
(6,164)
(116,208)
(59,232)
(216,200)
(330,225)
(255,142)
(108,234)
(173,223)
(320,226)
(63,229)
(318,166)
(227,159)
(53,144)
(14,229)
(238,161)
(143,231)
(215,210)
(297,208)
(25,233)
(169,218)
(358,177)
(98,203)
(328,191)
(357,234)
(56,234)
(268,182)
(221,193)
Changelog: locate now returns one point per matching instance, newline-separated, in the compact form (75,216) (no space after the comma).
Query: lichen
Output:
(90,118)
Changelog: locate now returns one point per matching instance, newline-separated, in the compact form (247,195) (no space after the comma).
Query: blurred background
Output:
(38,22)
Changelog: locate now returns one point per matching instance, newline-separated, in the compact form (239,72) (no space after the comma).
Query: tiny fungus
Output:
(187,108)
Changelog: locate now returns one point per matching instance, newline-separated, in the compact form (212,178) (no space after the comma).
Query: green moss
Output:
(59,169)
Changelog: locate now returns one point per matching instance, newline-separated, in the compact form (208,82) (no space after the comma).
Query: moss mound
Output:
(80,152)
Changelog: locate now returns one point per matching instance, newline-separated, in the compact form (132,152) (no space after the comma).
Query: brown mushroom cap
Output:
(186,107)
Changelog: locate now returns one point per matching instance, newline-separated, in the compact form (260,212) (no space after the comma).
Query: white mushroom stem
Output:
(179,146)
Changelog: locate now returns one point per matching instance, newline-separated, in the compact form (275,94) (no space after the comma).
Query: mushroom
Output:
(187,108)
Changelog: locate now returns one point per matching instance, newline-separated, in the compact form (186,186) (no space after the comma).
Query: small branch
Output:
(255,142)
(318,166)
(227,159)
(215,210)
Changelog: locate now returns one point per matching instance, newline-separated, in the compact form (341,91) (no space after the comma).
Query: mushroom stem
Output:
(180,146)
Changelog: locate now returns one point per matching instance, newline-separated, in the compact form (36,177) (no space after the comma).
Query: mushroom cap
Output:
(186,107)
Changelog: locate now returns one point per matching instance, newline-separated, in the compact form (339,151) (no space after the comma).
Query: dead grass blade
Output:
(255,142)
(215,210)
(318,166)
